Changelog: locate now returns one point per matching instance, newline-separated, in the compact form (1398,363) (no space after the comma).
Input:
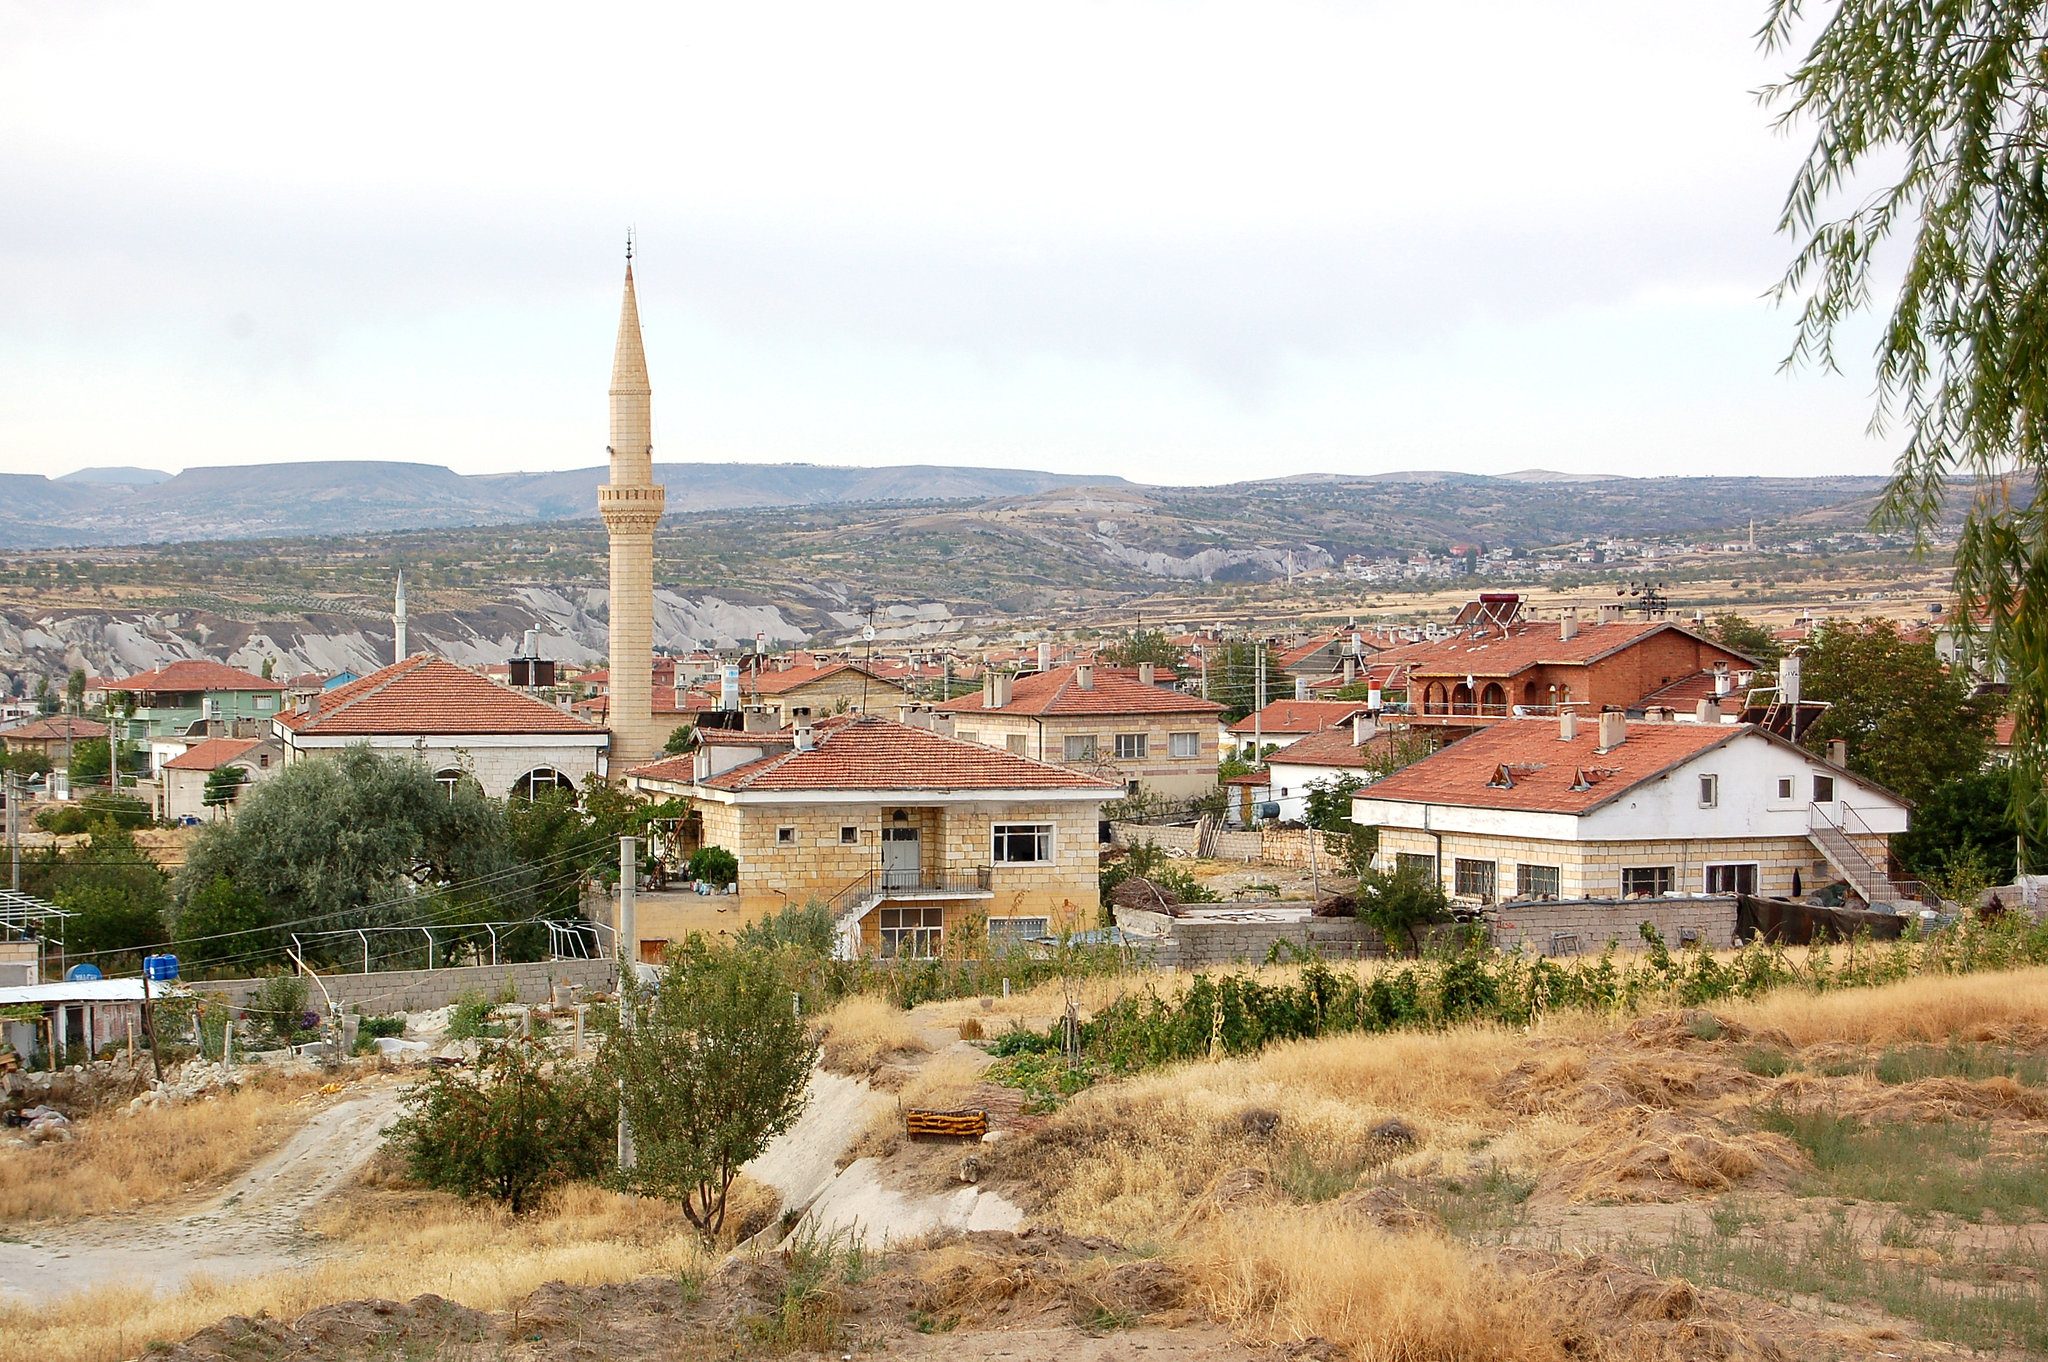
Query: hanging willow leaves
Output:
(1945,104)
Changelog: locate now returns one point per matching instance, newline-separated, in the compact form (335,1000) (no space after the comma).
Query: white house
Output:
(462,724)
(1540,808)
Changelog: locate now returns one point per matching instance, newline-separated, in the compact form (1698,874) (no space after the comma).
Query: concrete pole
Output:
(628,949)
(14,829)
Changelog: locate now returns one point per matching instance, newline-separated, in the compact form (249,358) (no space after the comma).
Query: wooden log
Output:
(920,1124)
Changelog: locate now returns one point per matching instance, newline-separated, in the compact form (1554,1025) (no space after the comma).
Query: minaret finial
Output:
(629,245)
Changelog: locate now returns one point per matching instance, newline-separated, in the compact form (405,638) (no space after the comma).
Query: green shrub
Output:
(510,1131)
(471,1018)
(713,865)
(279,1010)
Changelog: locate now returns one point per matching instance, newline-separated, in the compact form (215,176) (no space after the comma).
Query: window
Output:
(785,837)
(264,702)
(1823,789)
(1078,747)
(263,760)
(1785,788)
(912,933)
(1710,791)
(1415,861)
(1022,844)
(1646,881)
(1015,743)
(1019,928)
(1732,879)
(1536,881)
(1130,746)
(849,837)
(968,735)
(1473,879)
(1184,744)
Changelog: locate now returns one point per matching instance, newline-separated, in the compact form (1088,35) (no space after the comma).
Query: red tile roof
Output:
(56,728)
(1542,769)
(780,680)
(867,752)
(1117,690)
(193,674)
(427,694)
(1496,652)
(1284,717)
(1331,747)
(211,754)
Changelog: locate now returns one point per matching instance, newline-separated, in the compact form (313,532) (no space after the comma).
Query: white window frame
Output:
(1710,791)
(926,940)
(997,831)
(1756,875)
(1078,747)
(1785,787)
(1191,741)
(968,735)
(1007,927)
(1136,741)
(1017,744)
(1818,797)
(785,836)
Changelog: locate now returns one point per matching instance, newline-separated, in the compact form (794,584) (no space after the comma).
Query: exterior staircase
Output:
(1870,880)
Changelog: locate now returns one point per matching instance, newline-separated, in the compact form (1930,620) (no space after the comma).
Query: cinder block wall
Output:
(421,990)
(1590,925)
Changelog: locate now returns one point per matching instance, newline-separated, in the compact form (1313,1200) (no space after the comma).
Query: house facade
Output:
(55,739)
(909,836)
(1116,723)
(795,688)
(1612,809)
(461,724)
(1289,721)
(180,786)
(170,700)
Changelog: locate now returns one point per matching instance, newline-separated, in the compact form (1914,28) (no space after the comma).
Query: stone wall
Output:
(1275,846)
(1592,870)
(421,990)
(1243,936)
(1184,838)
(1585,926)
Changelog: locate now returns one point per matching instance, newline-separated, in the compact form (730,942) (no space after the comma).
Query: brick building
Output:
(908,835)
(1538,809)
(1119,723)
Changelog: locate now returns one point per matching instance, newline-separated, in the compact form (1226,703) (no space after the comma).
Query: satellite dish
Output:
(867,632)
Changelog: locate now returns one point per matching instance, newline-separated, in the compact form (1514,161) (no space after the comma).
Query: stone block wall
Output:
(1592,870)
(1183,839)
(1584,927)
(1202,943)
(421,990)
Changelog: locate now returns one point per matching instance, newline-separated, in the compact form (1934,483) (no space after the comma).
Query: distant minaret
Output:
(631,505)
(398,651)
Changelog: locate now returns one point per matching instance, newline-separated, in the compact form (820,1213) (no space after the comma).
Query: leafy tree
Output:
(1969,817)
(25,763)
(1329,802)
(712,1067)
(91,760)
(45,701)
(354,838)
(1936,112)
(116,894)
(1743,635)
(223,784)
(806,929)
(714,865)
(679,740)
(74,692)
(1398,901)
(1140,646)
(222,922)
(519,1126)
(99,806)
(1234,674)
(1910,723)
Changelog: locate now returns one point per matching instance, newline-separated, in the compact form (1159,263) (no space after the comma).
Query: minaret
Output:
(631,505)
(398,650)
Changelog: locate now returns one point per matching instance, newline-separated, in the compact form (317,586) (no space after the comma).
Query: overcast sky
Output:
(1176,242)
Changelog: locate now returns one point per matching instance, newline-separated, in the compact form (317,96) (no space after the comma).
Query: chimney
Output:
(995,689)
(1363,727)
(988,689)
(1613,729)
(1610,614)
(529,644)
(1723,683)
(1045,655)
(1707,712)
(1146,674)
(1374,700)
(1084,676)
(758,720)
(1568,627)
(1838,752)
(313,704)
(1567,726)
(1350,671)
(804,738)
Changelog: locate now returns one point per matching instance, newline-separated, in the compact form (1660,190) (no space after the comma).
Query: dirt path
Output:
(254,1225)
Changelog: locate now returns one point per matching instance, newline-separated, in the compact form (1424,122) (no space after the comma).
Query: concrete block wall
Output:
(1197,943)
(1183,839)
(1591,924)
(421,990)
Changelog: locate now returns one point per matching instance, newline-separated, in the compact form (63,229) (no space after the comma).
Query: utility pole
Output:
(628,949)
(14,829)
(1258,702)
(156,1057)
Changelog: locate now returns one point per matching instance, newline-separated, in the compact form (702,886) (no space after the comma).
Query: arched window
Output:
(1433,699)
(1493,700)
(448,777)
(539,780)
(1529,696)
(1461,699)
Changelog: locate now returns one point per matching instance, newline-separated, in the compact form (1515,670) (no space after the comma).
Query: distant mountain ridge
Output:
(253,501)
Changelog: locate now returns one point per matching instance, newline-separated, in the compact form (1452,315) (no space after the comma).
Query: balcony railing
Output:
(1465,710)
(879,885)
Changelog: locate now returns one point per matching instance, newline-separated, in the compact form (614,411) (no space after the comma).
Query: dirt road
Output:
(254,1226)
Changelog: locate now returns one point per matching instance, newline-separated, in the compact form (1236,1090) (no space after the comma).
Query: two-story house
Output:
(1120,723)
(1609,808)
(186,697)
(179,790)
(904,833)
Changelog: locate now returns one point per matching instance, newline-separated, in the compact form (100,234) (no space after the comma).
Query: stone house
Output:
(805,687)
(181,782)
(1119,723)
(1288,721)
(909,836)
(55,739)
(462,724)
(1537,809)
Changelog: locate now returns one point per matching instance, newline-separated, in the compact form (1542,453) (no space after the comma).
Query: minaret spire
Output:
(398,649)
(631,504)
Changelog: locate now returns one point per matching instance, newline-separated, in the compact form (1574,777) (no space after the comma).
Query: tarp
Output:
(1801,924)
